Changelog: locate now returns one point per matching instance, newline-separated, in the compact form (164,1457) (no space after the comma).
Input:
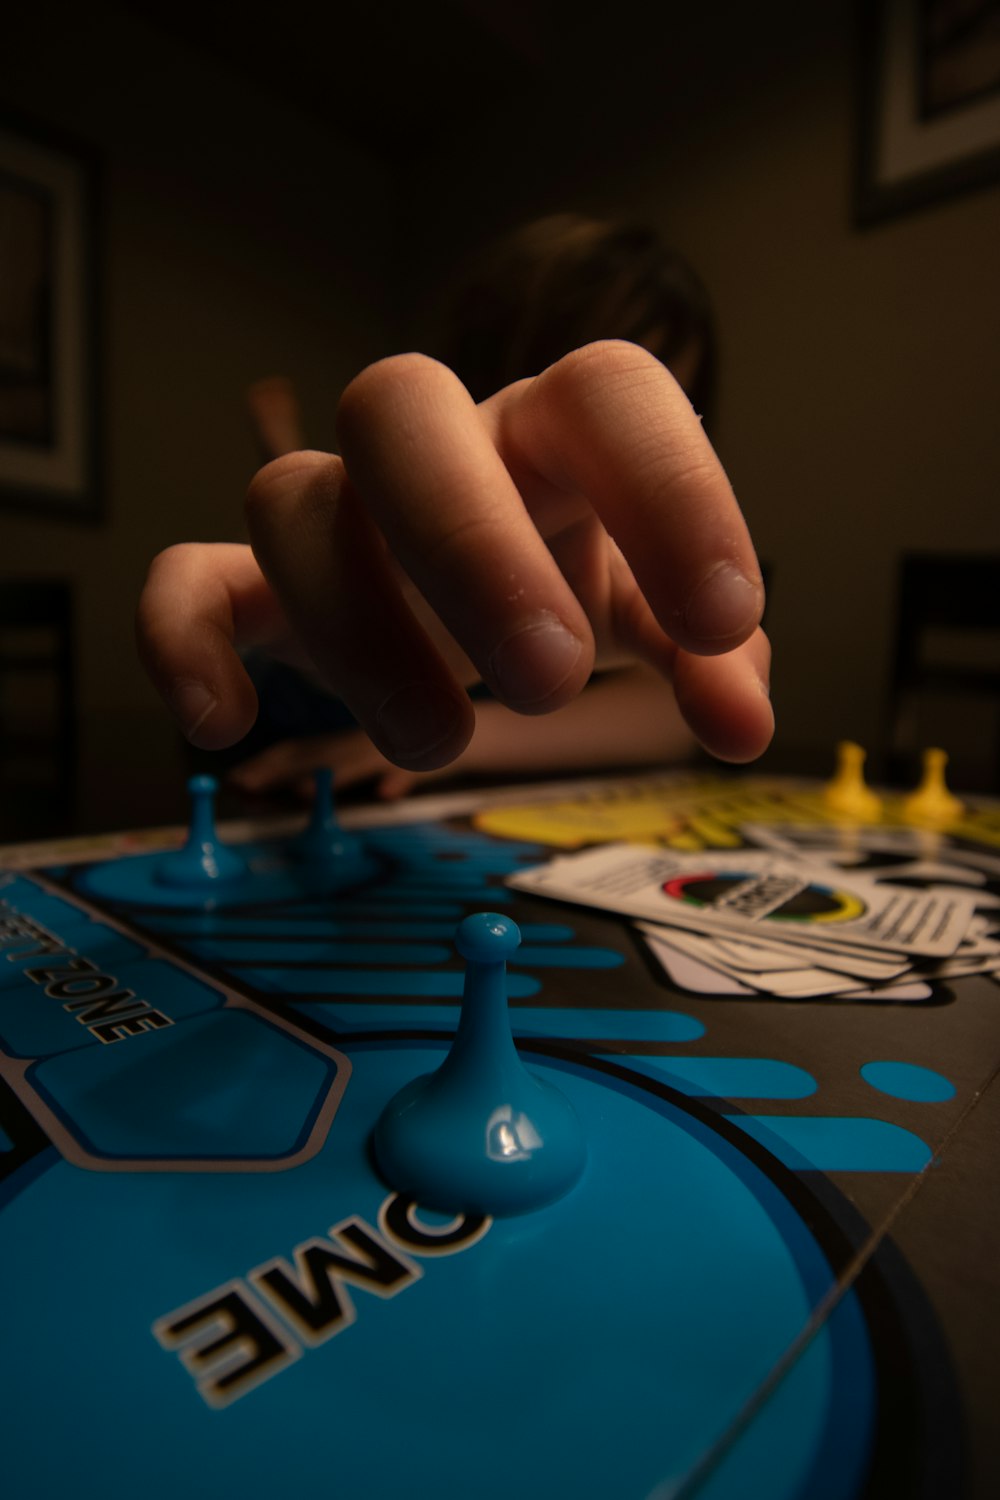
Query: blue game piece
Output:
(482,1134)
(203,861)
(324,842)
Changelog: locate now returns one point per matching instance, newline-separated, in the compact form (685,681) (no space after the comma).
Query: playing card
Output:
(763,955)
(756,892)
(800,983)
(691,974)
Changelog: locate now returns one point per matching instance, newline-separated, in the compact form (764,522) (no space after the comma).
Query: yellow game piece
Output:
(847,795)
(932,802)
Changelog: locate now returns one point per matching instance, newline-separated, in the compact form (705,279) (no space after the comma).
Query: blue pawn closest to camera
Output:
(203,861)
(482,1134)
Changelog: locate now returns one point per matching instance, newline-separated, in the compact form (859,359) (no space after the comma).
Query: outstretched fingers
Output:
(459,502)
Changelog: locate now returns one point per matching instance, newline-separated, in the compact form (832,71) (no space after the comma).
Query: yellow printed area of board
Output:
(697,813)
(693,813)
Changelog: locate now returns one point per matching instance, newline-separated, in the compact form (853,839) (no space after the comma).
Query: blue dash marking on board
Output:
(346,905)
(496,862)
(285,950)
(831,1143)
(908,1081)
(288,926)
(436,984)
(486,896)
(525,1020)
(423,857)
(446,840)
(727,1077)
(566,958)
(6,1144)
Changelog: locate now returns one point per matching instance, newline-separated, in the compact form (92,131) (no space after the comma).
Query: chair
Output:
(944,686)
(38,714)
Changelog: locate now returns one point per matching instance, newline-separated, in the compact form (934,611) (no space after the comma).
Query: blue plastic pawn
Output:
(324,842)
(203,861)
(482,1134)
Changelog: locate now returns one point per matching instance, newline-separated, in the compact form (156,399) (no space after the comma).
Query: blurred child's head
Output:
(566,280)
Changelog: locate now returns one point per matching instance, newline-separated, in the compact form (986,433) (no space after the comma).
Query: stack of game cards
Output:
(778,922)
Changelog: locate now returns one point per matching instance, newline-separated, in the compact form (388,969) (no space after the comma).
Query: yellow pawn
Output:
(847,795)
(932,802)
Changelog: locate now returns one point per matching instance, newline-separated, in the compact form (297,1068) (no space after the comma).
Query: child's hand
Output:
(580,517)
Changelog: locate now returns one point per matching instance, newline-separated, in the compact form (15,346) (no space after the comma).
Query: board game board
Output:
(756,1290)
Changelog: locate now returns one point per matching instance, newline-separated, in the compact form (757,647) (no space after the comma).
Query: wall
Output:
(861,368)
(237,240)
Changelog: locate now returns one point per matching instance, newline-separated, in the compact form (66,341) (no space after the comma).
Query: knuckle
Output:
(167,567)
(379,387)
(598,363)
(613,374)
(267,487)
(178,555)
(288,486)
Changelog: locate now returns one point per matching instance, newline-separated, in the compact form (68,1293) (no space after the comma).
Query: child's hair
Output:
(567,280)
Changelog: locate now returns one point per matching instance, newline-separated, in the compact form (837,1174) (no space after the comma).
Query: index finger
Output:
(610,422)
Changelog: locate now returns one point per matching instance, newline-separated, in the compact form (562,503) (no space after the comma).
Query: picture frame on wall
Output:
(929,107)
(49,365)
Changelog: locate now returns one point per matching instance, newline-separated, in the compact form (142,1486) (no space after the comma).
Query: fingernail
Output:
(723,604)
(191,702)
(416,719)
(535,661)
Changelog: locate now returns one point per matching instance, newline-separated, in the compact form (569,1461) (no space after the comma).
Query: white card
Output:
(908,989)
(690,974)
(836,844)
(802,983)
(848,960)
(756,892)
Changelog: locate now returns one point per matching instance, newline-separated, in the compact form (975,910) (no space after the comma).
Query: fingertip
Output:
(209,719)
(192,703)
(722,611)
(747,736)
(540,665)
(422,726)
(726,700)
(284,479)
